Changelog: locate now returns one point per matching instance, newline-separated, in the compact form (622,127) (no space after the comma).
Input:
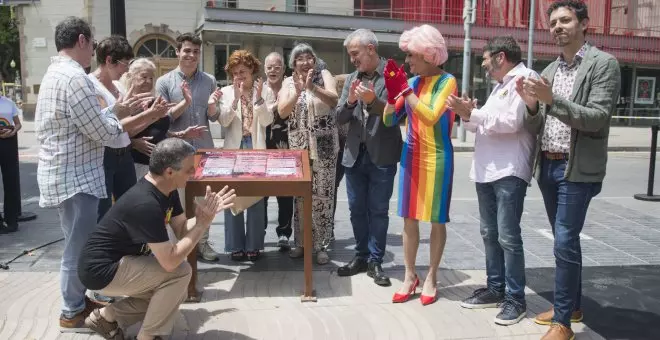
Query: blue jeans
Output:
(246,236)
(119,176)
(78,219)
(566,204)
(369,189)
(500,208)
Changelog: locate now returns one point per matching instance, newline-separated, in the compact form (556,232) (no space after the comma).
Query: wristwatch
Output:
(259,101)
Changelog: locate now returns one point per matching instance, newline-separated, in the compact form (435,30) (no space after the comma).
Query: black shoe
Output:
(5,229)
(376,272)
(512,312)
(357,265)
(483,298)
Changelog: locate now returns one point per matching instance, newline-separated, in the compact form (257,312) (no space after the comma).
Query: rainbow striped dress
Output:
(427,160)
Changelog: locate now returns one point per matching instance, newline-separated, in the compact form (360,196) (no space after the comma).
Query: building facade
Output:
(625,28)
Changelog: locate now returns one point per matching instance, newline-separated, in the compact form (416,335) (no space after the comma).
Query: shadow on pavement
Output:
(618,302)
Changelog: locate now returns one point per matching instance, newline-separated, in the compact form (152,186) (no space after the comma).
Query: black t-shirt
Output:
(157,130)
(137,218)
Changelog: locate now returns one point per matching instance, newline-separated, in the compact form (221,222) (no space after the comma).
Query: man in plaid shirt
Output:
(71,128)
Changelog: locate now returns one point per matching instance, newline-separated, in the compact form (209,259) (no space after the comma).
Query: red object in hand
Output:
(396,80)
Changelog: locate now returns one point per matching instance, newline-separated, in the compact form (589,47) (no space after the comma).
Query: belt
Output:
(555,156)
(119,151)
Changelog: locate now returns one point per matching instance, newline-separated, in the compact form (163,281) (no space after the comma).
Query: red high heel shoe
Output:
(399,298)
(429,299)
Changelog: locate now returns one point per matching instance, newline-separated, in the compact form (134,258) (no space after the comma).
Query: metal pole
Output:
(649,196)
(631,104)
(468,20)
(530,40)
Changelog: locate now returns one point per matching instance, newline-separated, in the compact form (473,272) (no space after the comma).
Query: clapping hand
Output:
(462,106)
(259,87)
(129,103)
(366,93)
(213,203)
(352,92)
(527,95)
(160,107)
(193,132)
(299,82)
(214,97)
(185,90)
(309,85)
(395,81)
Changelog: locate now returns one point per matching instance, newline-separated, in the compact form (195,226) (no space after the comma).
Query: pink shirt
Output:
(502,146)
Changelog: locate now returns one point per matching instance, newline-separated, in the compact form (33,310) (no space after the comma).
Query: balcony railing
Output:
(490,13)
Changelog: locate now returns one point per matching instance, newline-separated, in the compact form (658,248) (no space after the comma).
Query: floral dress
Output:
(313,127)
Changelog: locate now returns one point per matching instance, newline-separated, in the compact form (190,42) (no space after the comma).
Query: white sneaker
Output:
(207,253)
(283,243)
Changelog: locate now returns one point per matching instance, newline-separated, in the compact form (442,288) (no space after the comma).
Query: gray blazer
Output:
(383,143)
(588,113)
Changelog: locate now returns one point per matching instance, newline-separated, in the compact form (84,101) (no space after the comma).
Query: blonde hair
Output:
(136,66)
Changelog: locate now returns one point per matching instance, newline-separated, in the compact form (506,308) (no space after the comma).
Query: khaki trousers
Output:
(152,294)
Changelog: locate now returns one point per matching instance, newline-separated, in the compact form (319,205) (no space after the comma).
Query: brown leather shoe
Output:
(558,331)
(545,318)
(74,325)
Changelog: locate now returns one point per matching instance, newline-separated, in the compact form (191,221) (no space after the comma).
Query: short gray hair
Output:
(364,36)
(169,153)
(298,50)
(275,55)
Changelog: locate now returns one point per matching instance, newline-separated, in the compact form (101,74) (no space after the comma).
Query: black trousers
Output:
(10,179)
(284,204)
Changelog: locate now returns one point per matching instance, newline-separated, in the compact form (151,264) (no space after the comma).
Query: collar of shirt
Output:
(518,70)
(66,60)
(379,70)
(578,56)
(183,75)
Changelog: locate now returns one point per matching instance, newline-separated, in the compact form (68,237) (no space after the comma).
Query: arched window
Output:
(155,47)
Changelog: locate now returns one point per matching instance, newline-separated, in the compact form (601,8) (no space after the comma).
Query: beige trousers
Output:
(152,294)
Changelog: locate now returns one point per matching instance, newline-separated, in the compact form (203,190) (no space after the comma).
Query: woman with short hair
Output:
(245,115)
(309,97)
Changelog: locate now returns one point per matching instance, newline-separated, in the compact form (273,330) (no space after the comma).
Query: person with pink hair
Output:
(427,159)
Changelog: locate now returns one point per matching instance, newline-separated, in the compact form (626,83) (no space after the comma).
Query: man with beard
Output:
(277,137)
(371,155)
(502,169)
(570,109)
(199,109)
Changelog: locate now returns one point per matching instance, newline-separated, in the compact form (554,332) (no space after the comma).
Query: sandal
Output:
(106,329)
(238,255)
(253,255)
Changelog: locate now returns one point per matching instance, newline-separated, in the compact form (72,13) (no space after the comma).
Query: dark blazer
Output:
(383,143)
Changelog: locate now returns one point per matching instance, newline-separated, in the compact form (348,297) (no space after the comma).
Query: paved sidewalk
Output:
(265,305)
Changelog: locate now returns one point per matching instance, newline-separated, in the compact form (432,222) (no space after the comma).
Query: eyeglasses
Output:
(124,62)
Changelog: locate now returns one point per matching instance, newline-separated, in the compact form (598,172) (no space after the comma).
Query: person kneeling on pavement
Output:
(116,259)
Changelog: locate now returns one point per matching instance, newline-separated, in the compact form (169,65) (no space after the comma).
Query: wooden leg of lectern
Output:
(193,294)
(308,295)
